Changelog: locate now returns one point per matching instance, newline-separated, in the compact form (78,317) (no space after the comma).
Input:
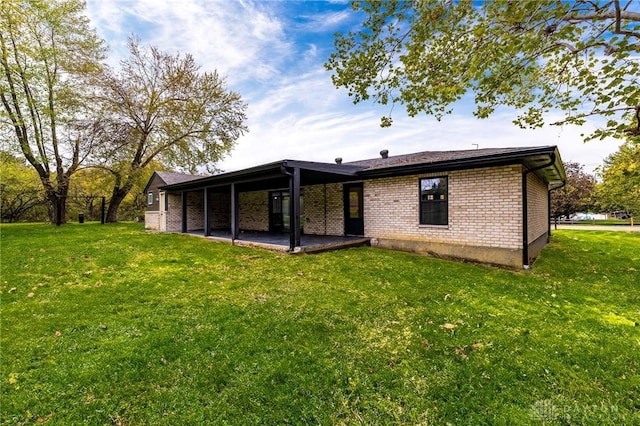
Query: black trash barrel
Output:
(80,217)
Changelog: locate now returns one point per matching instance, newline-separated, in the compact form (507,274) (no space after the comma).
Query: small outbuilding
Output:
(156,201)
(485,205)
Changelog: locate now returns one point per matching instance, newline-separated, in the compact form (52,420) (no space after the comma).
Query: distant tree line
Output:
(614,188)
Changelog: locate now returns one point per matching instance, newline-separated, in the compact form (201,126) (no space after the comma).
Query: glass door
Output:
(353,209)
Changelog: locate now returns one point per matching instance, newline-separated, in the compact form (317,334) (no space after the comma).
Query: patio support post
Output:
(207,219)
(234,213)
(294,200)
(183,194)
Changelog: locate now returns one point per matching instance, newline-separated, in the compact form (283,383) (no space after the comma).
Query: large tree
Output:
(576,195)
(620,175)
(162,107)
(537,56)
(48,59)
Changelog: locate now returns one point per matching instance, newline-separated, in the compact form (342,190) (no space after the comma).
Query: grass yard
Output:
(603,222)
(107,324)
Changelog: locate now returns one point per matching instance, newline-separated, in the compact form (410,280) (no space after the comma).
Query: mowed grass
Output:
(108,324)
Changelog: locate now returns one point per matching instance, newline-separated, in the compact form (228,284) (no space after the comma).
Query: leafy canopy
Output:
(161,107)
(620,174)
(49,57)
(581,57)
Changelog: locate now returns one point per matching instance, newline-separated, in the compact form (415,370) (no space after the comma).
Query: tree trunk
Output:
(58,202)
(117,196)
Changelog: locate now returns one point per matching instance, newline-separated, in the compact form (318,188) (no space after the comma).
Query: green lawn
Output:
(107,324)
(603,222)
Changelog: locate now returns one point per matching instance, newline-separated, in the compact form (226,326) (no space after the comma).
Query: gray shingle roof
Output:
(429,157)
(171,178)
(273,175)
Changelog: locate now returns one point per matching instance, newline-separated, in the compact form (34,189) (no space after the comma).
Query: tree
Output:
(576,195)
(620,174)
(20,190)
(49,55)
(537,56)
(161,107)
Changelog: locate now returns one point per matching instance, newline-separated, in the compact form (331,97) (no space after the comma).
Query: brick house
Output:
(485,205)
(154,216)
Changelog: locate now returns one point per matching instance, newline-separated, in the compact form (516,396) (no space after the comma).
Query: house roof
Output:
(431,157)
(544,161)
(171,178)
(438,161)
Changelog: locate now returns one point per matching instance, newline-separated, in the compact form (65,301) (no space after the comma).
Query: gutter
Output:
(459,164)
(525,216)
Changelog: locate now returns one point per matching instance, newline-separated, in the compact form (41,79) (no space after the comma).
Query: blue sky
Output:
(272,53)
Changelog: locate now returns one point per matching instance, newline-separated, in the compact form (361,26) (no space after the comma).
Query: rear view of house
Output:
(484,205)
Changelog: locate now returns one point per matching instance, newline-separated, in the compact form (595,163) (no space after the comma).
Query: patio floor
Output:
(280,242)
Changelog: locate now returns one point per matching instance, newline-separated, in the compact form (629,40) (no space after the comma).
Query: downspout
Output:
(525,215)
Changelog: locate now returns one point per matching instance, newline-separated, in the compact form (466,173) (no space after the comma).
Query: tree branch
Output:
(603,16)
(598,112)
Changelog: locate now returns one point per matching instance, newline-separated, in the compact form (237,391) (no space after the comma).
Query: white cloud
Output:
(353,133)
(322,22)
(294,110)
(241,40)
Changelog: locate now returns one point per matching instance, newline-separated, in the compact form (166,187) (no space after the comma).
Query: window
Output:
(433,201)
(150,198)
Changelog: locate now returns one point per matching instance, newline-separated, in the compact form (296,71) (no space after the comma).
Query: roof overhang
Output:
(532,158)
(272,176)
(544,161)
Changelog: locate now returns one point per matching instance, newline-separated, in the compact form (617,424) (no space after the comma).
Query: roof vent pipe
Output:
(384,153)
(338,160)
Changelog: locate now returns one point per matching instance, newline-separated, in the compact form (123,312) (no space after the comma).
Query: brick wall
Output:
(174,212)
(152,220)
(537,207)
(538,216)
(323,209)
(254,210)
(485,208)
(220,210)
(195,210)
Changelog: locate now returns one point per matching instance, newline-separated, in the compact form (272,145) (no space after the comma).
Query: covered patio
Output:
(281,242)
(213,207)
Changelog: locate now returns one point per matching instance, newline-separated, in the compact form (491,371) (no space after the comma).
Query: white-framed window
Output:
(150,198)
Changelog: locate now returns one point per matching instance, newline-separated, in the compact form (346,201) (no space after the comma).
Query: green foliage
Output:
(68,110)
(620,175)
(21,194)
(107,324)
(577,195)
(49,56)
(161,107)
(579,57)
